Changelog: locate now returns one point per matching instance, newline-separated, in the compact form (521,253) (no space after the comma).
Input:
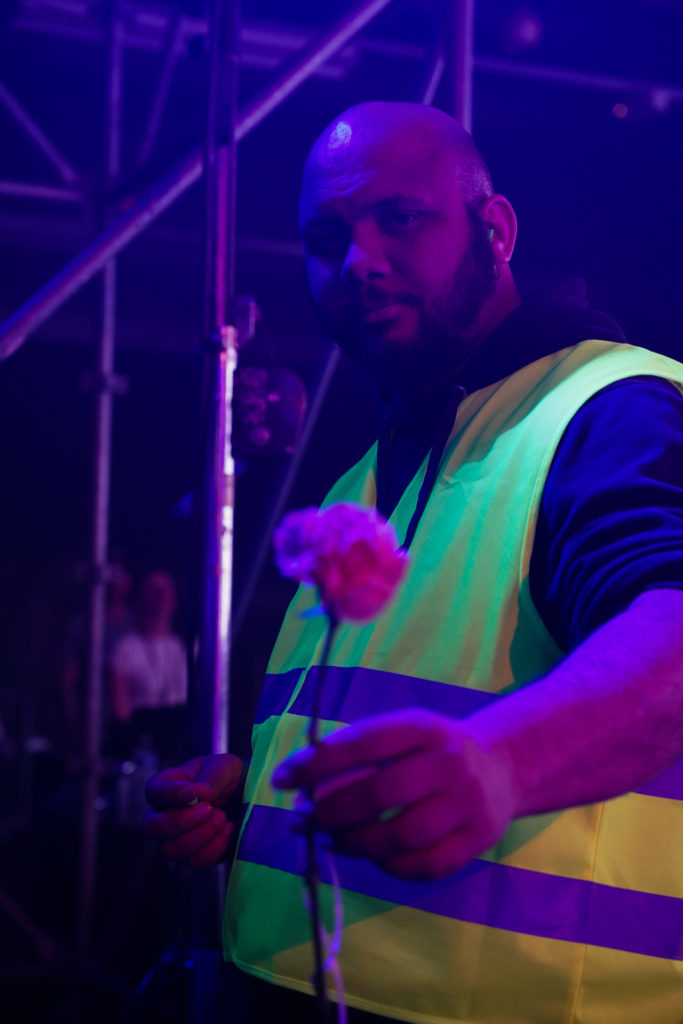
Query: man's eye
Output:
(399,220)
(405,218)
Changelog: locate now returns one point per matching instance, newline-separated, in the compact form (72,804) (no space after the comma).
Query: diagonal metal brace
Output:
(66,172)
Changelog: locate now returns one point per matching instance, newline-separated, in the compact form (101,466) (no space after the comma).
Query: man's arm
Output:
(610,522)
(608,719)
(438,792)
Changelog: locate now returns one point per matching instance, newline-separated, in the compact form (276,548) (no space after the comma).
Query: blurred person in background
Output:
(148,669)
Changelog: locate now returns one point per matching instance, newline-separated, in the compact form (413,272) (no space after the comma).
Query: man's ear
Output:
(499,217)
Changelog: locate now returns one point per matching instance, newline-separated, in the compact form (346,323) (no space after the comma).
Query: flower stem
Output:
(312,865)
(314,724)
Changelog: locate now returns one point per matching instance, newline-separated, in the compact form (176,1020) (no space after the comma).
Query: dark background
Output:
(593,168)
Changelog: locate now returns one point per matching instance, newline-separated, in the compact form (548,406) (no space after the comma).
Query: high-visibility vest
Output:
(574,917)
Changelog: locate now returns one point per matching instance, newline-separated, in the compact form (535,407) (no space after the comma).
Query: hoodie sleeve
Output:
(611,518)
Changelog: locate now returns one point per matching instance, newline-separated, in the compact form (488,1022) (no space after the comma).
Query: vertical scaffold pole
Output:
(104,386)
(461,46)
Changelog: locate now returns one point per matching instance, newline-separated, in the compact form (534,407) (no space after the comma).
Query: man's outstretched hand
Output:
(411,790)
(189,805)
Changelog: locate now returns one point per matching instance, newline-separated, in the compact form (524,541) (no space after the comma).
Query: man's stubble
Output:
(446,335)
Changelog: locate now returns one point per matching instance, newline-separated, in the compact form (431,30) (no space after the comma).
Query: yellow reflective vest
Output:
(575,917)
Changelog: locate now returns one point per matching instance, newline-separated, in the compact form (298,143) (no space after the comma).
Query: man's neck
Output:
(504,301)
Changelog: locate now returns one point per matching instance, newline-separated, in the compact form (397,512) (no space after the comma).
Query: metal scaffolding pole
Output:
(217,490)
(66,172)
(163,88)
(460,32)
(27,190)
(435,74)
(104,387)
(75,274)
(580,79)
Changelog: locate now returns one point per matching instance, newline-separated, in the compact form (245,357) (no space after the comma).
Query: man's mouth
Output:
(380,314)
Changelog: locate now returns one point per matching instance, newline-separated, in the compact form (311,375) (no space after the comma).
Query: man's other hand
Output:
(189,805)
(411,790)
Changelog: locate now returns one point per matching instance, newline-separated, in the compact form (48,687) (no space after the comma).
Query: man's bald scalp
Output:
(420,124)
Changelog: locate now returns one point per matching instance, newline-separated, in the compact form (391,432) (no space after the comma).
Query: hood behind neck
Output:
(547,320)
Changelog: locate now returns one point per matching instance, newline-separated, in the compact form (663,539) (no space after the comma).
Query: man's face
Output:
(399,267)
(157,596)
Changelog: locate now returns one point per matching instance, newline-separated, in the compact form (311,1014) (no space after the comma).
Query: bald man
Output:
(499,779)
(422,300)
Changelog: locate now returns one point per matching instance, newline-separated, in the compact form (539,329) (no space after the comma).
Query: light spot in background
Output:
(661,100)
(620,110)
(529,29)
(341,135)
(523,30)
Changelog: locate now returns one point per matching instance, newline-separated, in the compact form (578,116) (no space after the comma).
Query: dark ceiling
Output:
(597,194)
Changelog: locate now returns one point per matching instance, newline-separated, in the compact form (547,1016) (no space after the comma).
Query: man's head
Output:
(157,600)
(407,245)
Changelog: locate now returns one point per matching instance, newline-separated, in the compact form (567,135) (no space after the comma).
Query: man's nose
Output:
(365,259)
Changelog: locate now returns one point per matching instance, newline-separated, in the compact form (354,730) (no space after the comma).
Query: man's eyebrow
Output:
(395,200)
(324,216)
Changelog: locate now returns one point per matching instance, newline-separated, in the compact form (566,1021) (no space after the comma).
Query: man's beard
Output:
(444,339)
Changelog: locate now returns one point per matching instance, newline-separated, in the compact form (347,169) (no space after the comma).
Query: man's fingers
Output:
(371,741)
(444,857)
(186,845)
(163,794)
(202,778)
(389,787)
(173,786)
(414,829)
(221,773)
(176,821)
(213,852)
